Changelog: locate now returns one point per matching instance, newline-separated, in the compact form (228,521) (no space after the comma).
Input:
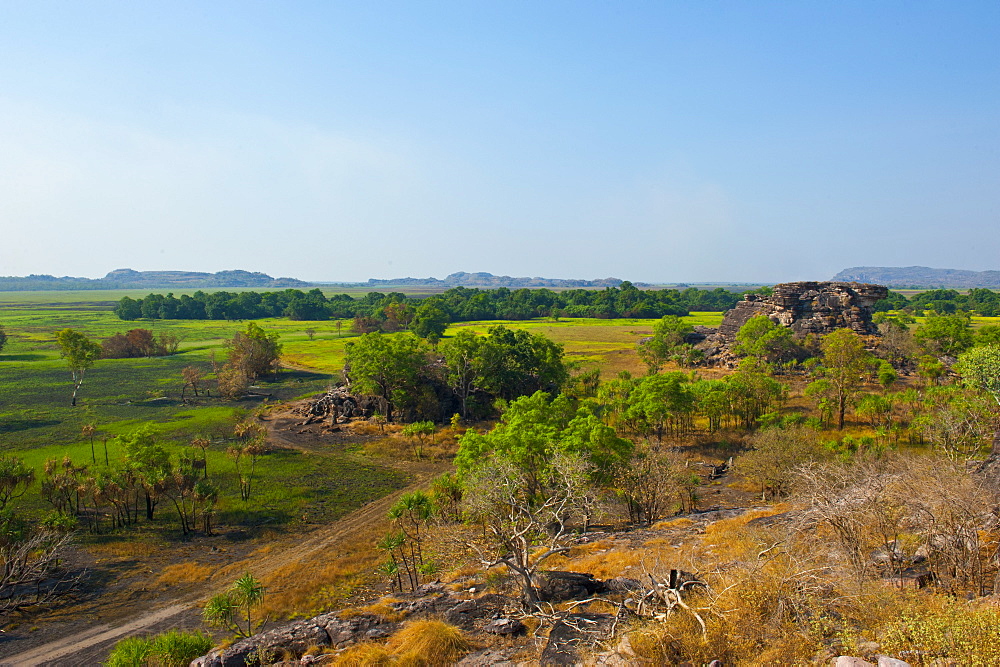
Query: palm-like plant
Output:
(233,609)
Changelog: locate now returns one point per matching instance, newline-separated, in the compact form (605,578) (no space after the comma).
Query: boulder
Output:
(505,626)
(886,661)
(851,661)
(557,586)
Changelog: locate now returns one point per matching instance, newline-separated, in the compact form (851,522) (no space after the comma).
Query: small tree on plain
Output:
(418,432)
(80,353)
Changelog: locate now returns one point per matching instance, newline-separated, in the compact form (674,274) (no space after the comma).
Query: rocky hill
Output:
(129,279)
(919,276)
(481,279)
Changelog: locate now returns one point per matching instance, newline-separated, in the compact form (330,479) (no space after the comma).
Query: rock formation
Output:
(810,308)
(804,307)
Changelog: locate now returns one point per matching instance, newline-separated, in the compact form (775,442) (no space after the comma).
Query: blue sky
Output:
(652,141)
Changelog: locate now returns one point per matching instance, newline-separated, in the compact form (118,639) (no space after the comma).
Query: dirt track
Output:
(90,645)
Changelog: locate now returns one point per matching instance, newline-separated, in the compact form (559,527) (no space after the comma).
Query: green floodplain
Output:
(38,424)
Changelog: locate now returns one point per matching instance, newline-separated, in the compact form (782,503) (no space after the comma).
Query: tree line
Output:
(395,311)
(978,300)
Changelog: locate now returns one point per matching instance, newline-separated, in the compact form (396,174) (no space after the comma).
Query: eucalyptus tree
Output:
(845,364)
(80,353)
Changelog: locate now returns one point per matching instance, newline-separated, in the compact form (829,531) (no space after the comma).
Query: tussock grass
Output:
(428,643)
(364,655)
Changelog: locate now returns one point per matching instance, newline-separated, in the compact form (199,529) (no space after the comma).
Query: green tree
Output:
(410,514)
(533,429)
(254,353)
(766,340)
(845,363)
(233,609)
(878,410)
(429,321)
(988,335)
(956,421)
(387,366)
(128,309)
(417,432)
(666,343)
(3,337)
(463,361)
(249,446)
(948,335)
(752,392)
(517,363)
(148,463)
(980,369)
(661,403)
(80,353)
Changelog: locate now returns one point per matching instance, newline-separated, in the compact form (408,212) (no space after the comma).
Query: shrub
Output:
(954,630)
(178,649)
(130,652)
(170,649)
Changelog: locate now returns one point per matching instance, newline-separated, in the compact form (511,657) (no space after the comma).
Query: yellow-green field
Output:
(608,344)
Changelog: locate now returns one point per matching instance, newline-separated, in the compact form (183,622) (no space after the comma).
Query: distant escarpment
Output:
(919,276)
(129,279)
(804,307)
(463,279)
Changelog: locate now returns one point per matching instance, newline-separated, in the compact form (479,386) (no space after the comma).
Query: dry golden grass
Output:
(383,609)
(730,538)
(394,447)
(682,522)
(136,550)
(364,655)
(612,563)
(428,643)
(184,573)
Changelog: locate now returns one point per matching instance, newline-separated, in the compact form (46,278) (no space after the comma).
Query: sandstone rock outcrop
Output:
(810,308)
(804,307)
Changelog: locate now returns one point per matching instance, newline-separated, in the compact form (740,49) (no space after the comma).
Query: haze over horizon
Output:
(655,142)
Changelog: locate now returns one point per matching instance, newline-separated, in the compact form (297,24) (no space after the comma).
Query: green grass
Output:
(289,485)
(37,421)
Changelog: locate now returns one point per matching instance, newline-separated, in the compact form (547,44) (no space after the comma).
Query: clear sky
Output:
(651,141)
